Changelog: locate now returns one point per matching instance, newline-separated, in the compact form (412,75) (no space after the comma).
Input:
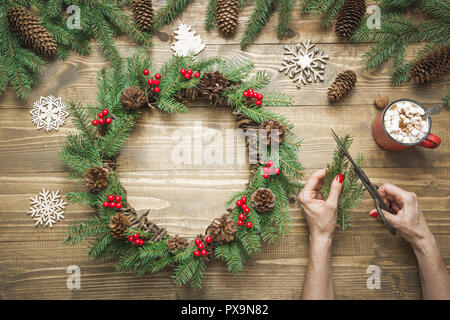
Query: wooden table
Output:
(185,198)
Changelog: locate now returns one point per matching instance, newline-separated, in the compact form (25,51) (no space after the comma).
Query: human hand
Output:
(321,215)
(408,220)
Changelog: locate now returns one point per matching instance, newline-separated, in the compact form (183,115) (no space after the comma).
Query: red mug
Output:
(385,141)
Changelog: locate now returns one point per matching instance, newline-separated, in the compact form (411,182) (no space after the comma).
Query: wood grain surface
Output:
(185,198)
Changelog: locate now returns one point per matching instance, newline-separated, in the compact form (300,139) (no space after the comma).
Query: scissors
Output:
(372,189)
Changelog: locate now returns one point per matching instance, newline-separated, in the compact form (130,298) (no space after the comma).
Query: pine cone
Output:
(349,17)
(118,225)
(343,84)
(432,66)
(212,85)
(263,200)
(96,179)
(227,19)
(143,13)
(133,98)
(265,132)
(222,230)
(175,243)
(31,32)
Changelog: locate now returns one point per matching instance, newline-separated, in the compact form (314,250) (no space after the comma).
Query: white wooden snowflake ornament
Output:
(304,64)
(49,113)
(47,208)
(187,42)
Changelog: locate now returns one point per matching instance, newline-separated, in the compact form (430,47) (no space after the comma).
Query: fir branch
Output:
(82,197)
(168,13)
(446,100)
(259,18)
(352,190)
(211,15)
(94,227)
(118,132)
(284,17)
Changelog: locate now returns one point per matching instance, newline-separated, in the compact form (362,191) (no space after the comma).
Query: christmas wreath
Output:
(257,214)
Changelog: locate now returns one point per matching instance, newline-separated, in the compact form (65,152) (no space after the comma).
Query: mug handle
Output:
(431,141)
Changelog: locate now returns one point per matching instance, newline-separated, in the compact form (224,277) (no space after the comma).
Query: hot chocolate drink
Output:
(403,122)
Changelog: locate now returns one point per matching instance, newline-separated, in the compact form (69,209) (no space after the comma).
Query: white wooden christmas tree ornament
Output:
(304,64)
(49,113)
(187,42)
(47,208)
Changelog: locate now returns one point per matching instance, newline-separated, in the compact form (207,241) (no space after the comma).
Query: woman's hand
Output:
(409,220)
(321,215)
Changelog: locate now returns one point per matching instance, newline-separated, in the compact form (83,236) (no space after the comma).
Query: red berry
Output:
(200,246)
(265,169)
(106,204)
(157,76)
(187,76)
(243,199)
(265,176)
(243,206)
(249,224)
(270,171)
(250,90)
(105,112)
(190,72)
(245,94)
(259,96)
(208,239)
(240,223)
(112,204)
(137,242)
(198,241)
(119,205)
(269,163)
(258,102)
(100,114)
(108,120)
(156,82)
(241,216)
(136,236)
(101,121)
(196,253)
(183,71)
(277,171)
(197,74)
(141,242)
(246,210)
(251,95)
(239,203)
(203,253)
(157,89)
(130,238)
(110,197)
(94,122)
(146,72)
(150,82)
(118,198)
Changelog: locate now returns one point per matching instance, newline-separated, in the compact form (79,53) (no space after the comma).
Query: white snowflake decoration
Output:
(49,113)
(187,42)
(304,65)
(47,208)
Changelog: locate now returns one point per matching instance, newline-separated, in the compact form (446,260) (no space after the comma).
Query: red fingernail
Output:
(373,213)
(340,178)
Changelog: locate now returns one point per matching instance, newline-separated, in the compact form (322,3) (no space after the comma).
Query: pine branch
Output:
(168,13)
(284,17)
(259,18)
(82,197)
(94,227)
(446,100)
(211,15)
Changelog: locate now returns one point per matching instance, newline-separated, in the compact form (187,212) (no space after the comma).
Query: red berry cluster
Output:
(113,202)
(201,247)
(253,97)
(189,73)
(268,171)
(153,82)
(242,216)
(135,238)
(101,119)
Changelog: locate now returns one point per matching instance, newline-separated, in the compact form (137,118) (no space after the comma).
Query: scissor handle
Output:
(386,224)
